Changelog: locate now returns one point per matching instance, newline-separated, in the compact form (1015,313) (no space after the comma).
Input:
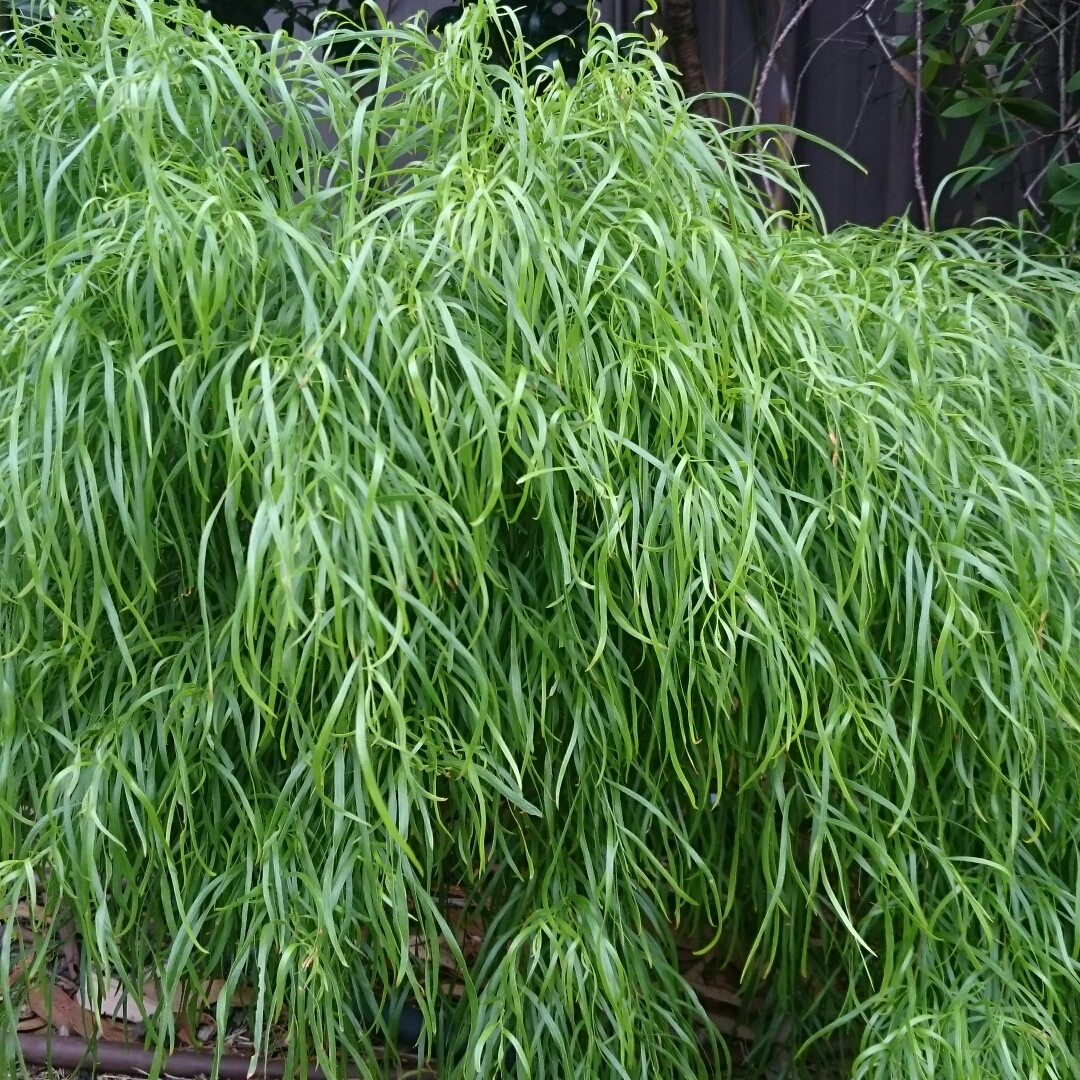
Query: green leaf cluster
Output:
(432,501)
(1007,71)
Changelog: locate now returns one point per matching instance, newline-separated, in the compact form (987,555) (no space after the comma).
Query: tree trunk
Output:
(680,27)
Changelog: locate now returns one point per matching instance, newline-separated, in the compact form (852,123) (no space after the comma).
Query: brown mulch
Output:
(63,1008)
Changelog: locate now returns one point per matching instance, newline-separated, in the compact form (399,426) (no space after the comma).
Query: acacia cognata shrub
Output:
(435,497)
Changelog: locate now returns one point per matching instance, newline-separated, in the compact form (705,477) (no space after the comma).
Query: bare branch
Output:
(916,144)
(1062,73)
(1061,151)
(778,41)
(859,13)
(896,65)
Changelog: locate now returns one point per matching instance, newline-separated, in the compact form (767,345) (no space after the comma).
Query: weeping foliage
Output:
(432,497)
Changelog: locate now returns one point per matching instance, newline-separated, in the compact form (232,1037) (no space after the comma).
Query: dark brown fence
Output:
(833,76)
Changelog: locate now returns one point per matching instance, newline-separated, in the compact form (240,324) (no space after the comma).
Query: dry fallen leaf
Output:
(717,994)
(24,911)
(62,1012)
(242,995)
(183,1031)
(16,972)
(117,1003)
(731,1027)
(693,974)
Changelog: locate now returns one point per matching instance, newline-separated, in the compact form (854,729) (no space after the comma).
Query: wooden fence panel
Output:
(832,77)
